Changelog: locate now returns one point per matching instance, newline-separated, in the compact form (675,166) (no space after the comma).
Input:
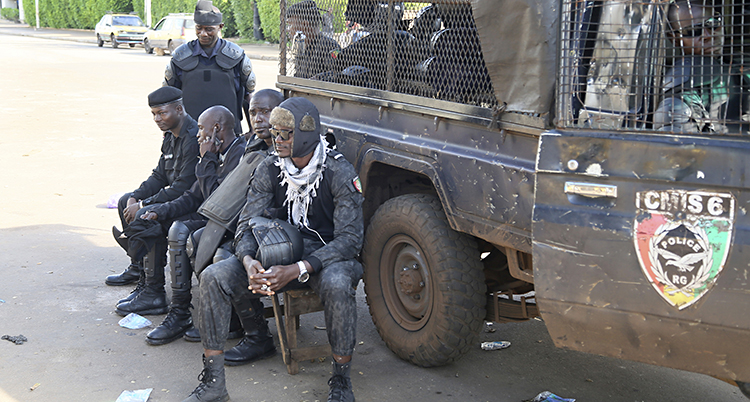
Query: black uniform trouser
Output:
(226,280)
(123,203)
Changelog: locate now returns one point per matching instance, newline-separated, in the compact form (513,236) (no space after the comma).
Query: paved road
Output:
(76,129)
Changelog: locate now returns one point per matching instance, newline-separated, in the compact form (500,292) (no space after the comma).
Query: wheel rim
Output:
(406,282)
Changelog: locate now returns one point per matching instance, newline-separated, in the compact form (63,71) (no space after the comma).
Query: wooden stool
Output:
(296,303)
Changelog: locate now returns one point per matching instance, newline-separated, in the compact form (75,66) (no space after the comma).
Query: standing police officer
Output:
(210,70)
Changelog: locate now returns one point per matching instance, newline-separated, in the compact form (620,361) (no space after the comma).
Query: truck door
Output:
(640,226)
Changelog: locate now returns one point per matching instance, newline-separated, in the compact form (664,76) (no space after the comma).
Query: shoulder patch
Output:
(182,52)
(357,184)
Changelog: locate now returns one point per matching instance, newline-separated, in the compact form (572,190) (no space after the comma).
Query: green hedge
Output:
(9,14)
(84,14)
(243,17)
(269,19)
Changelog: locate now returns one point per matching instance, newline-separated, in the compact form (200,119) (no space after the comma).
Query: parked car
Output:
(171,32)
(120,29)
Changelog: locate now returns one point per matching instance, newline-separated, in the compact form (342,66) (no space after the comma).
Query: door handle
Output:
(590,190)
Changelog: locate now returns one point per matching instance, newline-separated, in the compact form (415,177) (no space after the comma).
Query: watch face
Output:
(303,277)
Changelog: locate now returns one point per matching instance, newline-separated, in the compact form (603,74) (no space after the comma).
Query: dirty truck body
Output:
(514,164)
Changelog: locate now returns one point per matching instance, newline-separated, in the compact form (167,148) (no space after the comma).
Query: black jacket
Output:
(175,172)
(210,172)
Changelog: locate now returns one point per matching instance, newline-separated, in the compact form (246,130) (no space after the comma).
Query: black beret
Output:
(163,96)
(206,13)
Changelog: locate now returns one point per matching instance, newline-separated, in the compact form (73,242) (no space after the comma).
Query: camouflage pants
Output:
(226,280)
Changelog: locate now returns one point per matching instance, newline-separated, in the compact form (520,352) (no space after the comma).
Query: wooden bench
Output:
(296,303)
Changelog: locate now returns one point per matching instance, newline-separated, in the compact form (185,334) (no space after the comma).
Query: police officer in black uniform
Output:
(317,190)
(173,175)
(220,151)
(210,70)
(225,201)
(313,52)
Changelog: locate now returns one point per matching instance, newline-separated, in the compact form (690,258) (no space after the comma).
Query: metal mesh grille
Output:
(673,67)
(424,49)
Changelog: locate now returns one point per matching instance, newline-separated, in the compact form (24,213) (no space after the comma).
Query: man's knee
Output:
(178,233)
(221,274)
(340,280)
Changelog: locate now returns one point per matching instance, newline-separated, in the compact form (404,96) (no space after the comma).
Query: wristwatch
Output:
(303,275)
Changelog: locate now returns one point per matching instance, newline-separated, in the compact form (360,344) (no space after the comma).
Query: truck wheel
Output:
(423,280)
(114,41)
(744,388)
(99,41)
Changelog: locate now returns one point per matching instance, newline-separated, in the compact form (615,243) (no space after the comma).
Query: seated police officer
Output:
(173,175)
(220,151)
(364,62)
(221,208)
(312,51)
(696,88)
(316,190)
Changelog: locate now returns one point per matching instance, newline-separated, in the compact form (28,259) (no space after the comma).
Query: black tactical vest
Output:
(204,86)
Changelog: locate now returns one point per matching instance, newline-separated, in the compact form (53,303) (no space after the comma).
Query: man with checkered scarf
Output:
(317,190)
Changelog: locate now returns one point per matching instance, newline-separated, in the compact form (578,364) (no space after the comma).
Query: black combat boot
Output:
(257,343)
(235,330)
(340,384)
(138,288)
(126,277)
(179,319)
(213,386)
(152,300)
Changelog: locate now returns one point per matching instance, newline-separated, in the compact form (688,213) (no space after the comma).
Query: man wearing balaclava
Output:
(317,190)
(210,70)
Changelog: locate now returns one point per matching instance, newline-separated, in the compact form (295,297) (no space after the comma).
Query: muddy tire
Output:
(115,44)
(423,280)
(744,388)
(99,41)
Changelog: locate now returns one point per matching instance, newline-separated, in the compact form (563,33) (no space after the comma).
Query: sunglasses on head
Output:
(284,134)
(696,30)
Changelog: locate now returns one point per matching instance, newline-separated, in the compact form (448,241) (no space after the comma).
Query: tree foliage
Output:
(84,14)
(269,19)
(9,14)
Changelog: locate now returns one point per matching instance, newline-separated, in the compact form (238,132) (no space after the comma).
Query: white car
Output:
(120,29)
(171,32)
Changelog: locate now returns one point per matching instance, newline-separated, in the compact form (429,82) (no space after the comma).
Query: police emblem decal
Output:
(682,239)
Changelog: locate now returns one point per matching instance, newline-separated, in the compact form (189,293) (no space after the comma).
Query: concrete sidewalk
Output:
(252,50)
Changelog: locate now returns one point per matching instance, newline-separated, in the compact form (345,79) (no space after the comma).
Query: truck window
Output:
(417,48)
(665,67)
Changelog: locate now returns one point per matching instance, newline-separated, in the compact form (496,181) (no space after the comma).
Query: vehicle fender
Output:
(408,162)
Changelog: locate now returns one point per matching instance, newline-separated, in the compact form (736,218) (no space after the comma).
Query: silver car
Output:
(171,32)
(120,29)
